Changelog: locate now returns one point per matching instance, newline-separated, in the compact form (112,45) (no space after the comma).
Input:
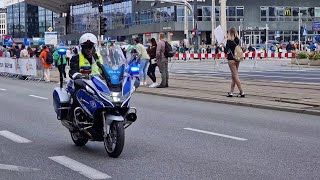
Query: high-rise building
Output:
(3,21)
(25,20)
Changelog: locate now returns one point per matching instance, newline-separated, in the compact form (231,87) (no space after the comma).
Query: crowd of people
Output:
(41,52)
(150,58)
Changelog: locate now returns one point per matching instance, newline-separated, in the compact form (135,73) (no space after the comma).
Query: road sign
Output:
(316,26)
(51,38)
(50,29)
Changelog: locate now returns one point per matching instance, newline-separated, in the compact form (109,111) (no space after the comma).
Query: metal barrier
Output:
(22,68)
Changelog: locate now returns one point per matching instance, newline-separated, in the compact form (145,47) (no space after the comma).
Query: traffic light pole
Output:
(99,24)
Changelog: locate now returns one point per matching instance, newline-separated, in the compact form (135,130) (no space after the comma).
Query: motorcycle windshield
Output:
(114,63)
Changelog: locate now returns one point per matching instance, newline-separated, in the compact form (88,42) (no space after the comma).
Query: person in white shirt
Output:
(24,52)
(68,56)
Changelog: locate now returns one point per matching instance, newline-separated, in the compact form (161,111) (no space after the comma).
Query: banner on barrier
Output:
(26,67)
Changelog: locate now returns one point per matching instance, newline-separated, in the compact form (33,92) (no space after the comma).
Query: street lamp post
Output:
(299,36)
(213,21)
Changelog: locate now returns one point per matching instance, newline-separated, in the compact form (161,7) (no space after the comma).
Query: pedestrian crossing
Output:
(274,71)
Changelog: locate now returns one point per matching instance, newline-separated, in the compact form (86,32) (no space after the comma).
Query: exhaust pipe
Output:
(68,126)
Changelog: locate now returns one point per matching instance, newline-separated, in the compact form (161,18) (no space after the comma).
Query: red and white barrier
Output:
(223,55)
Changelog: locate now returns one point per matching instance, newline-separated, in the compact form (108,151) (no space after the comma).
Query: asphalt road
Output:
(276,71)
(172,139)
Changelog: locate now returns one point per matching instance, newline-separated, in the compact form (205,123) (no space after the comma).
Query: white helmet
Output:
(88,37)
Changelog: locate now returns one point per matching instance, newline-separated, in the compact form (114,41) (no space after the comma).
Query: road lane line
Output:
(17,168)
(216,134)
(79,167)
(39,97)
(14,137)
(2,89)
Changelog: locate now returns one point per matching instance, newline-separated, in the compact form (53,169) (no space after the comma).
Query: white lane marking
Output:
(14,137)
(17,168)
(79,167)
(2,89)
(39,97)
(216,134)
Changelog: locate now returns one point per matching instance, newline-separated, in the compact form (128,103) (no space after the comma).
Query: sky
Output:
(1,3)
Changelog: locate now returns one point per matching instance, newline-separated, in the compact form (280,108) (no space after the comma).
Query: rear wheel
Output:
(114,142)
(78,139)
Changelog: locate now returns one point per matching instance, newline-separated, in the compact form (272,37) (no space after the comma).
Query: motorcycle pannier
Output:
(61,103)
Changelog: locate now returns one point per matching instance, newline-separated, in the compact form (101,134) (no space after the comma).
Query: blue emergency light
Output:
(62,51)
(134,69)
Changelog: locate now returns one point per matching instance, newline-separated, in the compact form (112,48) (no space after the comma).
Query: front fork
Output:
(107,121)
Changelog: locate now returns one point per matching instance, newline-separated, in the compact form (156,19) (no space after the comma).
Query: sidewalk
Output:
(290,97)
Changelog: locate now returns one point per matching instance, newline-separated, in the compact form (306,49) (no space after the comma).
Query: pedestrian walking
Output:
(45,65)
(68,56)
(216,51)
(60,62)
(144,59)
(152,51)
(232,42)
(162,62)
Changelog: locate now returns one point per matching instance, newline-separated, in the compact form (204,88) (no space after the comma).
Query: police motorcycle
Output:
(100,109)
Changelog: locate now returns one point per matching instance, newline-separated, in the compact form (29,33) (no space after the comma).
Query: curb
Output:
(300,111)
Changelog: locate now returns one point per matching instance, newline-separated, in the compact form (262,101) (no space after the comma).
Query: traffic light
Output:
(103,26)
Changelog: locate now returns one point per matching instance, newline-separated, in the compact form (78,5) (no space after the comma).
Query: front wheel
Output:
(114,142)
(78,139)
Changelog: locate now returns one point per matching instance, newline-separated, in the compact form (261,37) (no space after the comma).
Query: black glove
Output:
(78,76)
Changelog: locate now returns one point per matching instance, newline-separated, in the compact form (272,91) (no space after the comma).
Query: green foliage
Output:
(302,55)
(314,56)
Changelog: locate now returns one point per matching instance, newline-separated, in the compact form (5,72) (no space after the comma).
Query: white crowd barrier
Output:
(13,67)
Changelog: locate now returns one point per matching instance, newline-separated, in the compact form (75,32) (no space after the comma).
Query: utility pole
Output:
(299,36)
(186,26)
(213,21)
(267,37)
(195,16)
(223,18)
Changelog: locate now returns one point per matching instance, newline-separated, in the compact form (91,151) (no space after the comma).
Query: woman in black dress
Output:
(232,42)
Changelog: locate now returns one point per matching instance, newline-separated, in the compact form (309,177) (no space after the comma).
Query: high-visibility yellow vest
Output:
(86,67)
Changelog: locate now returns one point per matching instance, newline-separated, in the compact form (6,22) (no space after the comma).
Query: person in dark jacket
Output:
(289,47)
(152,51)
(216,51)
(85,63)
(232,42)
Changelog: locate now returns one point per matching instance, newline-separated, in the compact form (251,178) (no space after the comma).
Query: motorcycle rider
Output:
(85,63)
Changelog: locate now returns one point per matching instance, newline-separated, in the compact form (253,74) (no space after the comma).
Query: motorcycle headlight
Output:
(116,97)
(107,96)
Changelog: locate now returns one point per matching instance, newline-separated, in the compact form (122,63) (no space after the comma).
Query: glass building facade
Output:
(25,20)
(122,15)
(130,19)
